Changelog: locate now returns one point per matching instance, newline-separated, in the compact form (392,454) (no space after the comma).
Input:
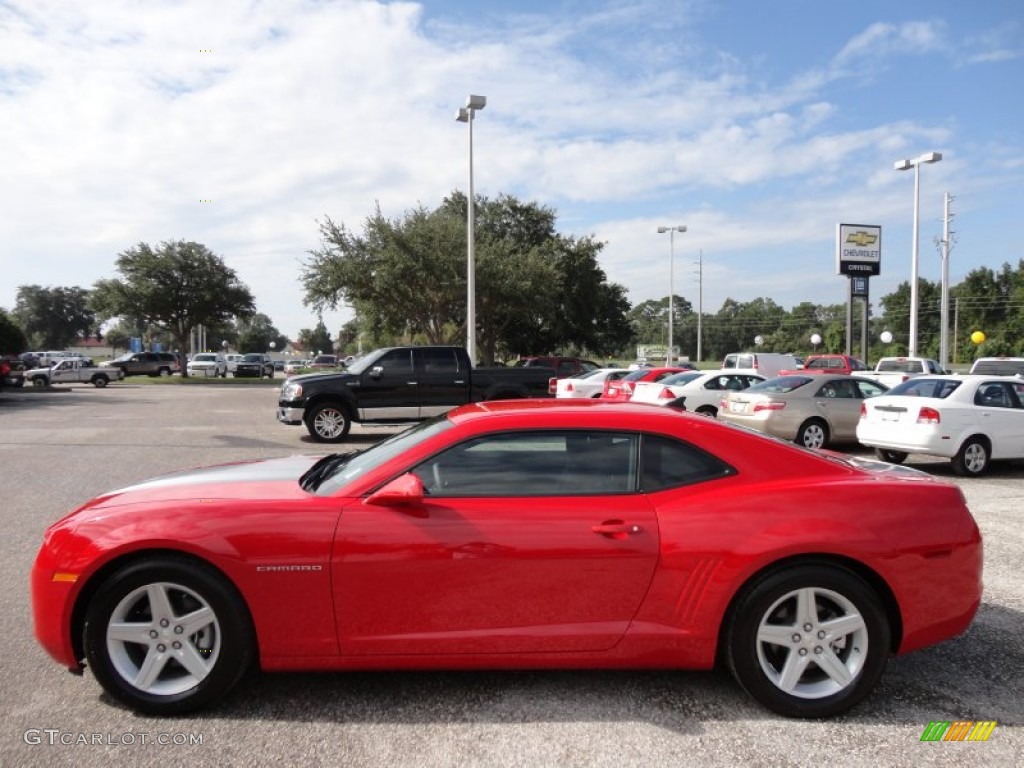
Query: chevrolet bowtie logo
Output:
(861,238)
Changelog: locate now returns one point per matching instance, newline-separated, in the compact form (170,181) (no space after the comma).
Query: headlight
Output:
(291,390)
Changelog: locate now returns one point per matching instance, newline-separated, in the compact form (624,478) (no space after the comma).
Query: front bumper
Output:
(291,416)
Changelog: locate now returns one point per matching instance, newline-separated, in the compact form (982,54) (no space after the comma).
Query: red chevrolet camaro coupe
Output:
(526,534)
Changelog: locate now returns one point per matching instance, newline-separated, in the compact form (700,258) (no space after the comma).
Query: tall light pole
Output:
(700,303)
(671,282)
(905,165)
(466,115)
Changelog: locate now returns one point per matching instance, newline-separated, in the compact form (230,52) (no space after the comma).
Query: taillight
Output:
(627,388)
(928,416)
(568,386)
(553,385)
(769,405)
(667,394)
(863,411)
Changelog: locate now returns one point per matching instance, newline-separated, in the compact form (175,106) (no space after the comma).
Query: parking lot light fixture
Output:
(671,284)
(906,165)
(465,115)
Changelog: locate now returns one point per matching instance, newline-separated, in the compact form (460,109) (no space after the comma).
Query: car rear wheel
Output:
(167,636)
(808,641)
(893,457)
(99,382)
(164,372)
(973,457)
(328,423)
(813,434)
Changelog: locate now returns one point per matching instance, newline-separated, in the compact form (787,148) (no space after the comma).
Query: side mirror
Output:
(376,371)
(407,489)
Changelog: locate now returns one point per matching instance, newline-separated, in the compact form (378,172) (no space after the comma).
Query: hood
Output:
(267,479)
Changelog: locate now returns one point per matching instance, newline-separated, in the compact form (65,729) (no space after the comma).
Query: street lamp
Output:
(906,165)
(671,282)
(466,115)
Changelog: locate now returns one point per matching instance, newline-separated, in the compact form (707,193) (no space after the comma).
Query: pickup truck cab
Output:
(397,385)
(73,370)
(891,371)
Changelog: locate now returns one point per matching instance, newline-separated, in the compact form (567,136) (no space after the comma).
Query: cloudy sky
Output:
(759,125)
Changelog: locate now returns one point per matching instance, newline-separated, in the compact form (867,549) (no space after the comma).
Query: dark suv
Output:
(255,364)
(148,364)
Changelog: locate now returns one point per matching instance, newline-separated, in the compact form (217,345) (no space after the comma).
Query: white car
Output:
(701,392)
(971,420)
(232,361)
(589,384)
(207,364)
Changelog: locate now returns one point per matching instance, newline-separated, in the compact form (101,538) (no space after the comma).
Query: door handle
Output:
(412,383)
(616,528)
(460,381)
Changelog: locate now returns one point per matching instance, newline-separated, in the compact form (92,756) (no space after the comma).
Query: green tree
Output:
(256,333)
(174,287)
(406,278)
(317,340)
(53,318)
(12,339)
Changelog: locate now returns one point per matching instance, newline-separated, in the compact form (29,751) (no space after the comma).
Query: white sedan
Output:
(701,392)
(968,419)
(589,384)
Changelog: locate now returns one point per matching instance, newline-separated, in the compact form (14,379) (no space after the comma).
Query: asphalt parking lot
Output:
(60,448)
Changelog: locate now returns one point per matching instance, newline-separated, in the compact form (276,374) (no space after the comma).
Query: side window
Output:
(667,463)
(438,360)
(566,368)
(396,362)
(994,395)
(869,389)
(555,463)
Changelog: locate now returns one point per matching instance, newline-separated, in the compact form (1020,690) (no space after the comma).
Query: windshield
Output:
(780,384)
(204,357)
(255,358)
(924,387)
(681,378)
(360,463)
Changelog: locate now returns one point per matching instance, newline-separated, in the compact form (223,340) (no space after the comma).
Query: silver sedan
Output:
(812,411)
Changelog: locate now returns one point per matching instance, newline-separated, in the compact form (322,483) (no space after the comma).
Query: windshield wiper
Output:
(323,469)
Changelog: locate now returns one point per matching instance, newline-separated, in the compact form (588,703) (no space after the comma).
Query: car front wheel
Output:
(328,423)
(808,641)
(167,636)
(973,457)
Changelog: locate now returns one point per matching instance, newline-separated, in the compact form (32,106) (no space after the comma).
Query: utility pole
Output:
(944,244)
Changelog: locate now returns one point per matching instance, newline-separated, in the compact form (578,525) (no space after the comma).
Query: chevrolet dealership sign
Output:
(858,249)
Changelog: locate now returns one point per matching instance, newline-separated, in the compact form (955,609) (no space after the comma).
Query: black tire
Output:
(772,607)
(164,372)
(39,382)
(893,457)
(708,410)
(973,458)
(212,653)
(99,381)
(328,422)
(813,433)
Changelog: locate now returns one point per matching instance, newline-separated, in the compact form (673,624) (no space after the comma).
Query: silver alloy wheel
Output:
(975,458)
(163,639)
(812,643)
(812,435)
(330,423)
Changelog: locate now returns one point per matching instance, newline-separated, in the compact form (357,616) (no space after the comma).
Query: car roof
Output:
(543,411)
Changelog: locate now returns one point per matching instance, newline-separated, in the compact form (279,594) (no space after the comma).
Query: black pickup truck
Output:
(399,384)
